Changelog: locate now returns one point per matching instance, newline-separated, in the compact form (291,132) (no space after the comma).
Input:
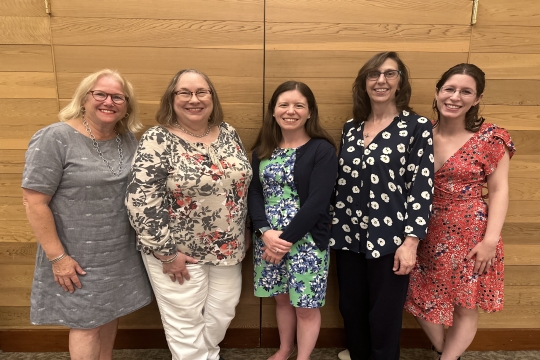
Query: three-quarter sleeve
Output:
(419,180)
(146,197)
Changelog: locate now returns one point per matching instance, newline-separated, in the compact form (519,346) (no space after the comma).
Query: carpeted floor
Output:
(263,354)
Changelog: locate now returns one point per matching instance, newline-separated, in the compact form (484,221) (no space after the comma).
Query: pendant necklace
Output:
(176,124)
(96,146)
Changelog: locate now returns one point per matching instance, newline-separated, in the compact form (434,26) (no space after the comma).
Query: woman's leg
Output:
(461,334)
(224,287)
(286,319)
(435,333)
(93,344)
(309,324)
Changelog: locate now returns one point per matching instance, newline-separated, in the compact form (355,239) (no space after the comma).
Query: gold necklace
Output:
(176,124)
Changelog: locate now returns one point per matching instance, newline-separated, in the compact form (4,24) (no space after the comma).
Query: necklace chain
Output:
(96,146)
(176,124)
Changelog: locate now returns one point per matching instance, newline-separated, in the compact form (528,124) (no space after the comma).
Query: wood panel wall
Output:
(248,47)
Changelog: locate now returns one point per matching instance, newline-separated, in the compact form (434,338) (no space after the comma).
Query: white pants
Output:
(196,314)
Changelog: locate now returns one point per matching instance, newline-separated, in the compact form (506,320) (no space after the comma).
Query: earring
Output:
(83,110)
(126,116)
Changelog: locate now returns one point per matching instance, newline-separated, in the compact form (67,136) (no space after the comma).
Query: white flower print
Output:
(401,148)
(364,165)
(375,254)
(420,152)
(350,138)
(375,222)
(346,228)
(385,159)
(386,135)
(340,204)
(410,167)
(426,134)
(359,213)
(367,151)
(391,172)
(363,225)
(370,160)
(420,221)
(430,141)
(357,236)
(426,195)
(430,182)
(401,171)
(399,215)
(354,220)
(405,112)
(385,198)
(403,133)
(425,172)
(410,199)
(392,186)
(342,181)
(431,158)
(402,124)
(360,142)
(332,242)
(347,169)
(355,189)
(374,179)
(369,245)
(408,229)
(354,174)
(350,199)
(387,150)
(350,149)
(422,120)
(373,146)
(402,160)
(365,219)
(416,206)
(375,205)
(341,161)
(371,194)
(388,220)
(356,161)
(400,189)
(397,240)
(411,139)
(348,239)
(381,241)
(348,212)
(335,221)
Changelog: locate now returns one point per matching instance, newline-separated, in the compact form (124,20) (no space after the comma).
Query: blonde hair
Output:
(74,109)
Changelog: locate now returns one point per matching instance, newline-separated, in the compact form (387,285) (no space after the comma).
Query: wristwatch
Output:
(261,231)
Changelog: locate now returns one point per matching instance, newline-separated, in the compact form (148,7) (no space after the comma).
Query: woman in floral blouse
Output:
(295,166)
(187,201)
(382,206)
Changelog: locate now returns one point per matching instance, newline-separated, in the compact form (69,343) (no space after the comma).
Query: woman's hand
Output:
(271,256)
(177,270)
(485,253)
(405,257)
(274,244)
(65,273)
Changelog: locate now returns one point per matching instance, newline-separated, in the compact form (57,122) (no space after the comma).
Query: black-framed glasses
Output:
(464,93)
(201,94)
(99,95)
(388,74)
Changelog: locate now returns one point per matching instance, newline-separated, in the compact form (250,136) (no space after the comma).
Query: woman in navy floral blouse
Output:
(294,167)
(382,206)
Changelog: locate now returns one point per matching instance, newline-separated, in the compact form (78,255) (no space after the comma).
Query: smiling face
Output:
(383,90)
(454,105)
(291,111)
(106,112)
(192,112)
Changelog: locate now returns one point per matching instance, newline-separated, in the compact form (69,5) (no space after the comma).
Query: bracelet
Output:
(57,259)
(168,261)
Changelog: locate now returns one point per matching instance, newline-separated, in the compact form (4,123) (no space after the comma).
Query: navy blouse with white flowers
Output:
(383,192)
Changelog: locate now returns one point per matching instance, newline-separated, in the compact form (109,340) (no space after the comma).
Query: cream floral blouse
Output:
(190,197)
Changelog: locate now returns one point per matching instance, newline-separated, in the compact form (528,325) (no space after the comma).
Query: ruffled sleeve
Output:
(497,140)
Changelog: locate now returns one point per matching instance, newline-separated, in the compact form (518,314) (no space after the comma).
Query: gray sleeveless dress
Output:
(92,224)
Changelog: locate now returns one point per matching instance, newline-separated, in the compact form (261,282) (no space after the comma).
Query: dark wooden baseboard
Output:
(57,340)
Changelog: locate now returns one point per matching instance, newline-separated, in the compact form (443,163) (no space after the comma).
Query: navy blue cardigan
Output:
(315,172)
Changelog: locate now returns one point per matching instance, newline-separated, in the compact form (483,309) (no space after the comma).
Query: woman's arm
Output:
(497,183)
(41,220)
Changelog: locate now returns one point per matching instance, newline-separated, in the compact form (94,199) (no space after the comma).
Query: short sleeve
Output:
(498,139)
(44,161)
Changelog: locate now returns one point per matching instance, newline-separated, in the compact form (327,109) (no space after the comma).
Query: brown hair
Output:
(270,134)
(166,115)
(472,120)
(361,101)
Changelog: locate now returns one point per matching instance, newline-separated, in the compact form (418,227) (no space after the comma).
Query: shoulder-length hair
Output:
(74,109)
(166,115)
(270,134)
(361,100)
(472,120)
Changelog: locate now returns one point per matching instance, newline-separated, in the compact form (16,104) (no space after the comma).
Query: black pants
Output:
(371,299)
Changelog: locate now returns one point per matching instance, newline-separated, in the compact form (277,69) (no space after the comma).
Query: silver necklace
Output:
(176,124)
(96,146)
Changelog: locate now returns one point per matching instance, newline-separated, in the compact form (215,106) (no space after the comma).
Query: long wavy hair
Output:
(270,134)
(166,115)
(472,119)
(361,100)
(74,109)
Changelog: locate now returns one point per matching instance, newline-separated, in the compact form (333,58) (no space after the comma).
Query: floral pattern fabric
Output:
(190,197)
(303,271)
(442,277)
(384,191)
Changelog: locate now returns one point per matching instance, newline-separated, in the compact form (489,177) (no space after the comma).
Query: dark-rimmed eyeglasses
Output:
(464,93)
(99,95)
(201,94)
(388,74)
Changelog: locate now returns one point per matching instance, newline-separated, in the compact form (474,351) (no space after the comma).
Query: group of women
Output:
(401,204)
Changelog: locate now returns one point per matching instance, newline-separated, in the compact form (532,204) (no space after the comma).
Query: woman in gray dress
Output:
(88,271)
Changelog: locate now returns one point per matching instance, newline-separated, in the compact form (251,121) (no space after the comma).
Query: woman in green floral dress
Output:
(294,167)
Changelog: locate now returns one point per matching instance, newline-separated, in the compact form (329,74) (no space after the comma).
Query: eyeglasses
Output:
(99,95)
(388,74)
(201,94)
(464,93)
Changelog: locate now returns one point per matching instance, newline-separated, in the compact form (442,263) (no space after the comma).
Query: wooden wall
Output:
(248,47)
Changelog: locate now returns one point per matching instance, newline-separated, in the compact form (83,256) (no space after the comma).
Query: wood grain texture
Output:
(369,12)
(16,231)
(508,66)
(22,8)
(521,233)
(511,92)
(27,85)
(367,37)
(141,60)
(508,12)
(239,10)
(11,161)
(526,141)
(26,58)
(24,30)
(513,117)
(194,34)
(505,39)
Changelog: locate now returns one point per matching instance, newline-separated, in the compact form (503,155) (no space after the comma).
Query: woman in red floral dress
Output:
(460,264)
